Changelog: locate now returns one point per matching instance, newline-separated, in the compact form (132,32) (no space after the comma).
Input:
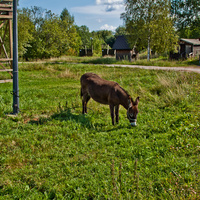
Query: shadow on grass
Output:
(65,115)
(101,61)
(68,115)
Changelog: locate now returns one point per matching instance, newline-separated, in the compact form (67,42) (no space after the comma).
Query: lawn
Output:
(157,61)
(51,151)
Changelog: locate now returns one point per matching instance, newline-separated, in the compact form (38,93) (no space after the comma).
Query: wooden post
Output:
(199,59)
(6,17)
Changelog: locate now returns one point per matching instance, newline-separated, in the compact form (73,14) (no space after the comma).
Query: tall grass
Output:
(161,61)
(52,151)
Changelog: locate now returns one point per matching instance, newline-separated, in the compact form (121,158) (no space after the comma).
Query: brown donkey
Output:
(110,93)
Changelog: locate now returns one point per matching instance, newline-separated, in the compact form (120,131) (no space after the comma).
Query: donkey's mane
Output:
(126,93)
(124,90)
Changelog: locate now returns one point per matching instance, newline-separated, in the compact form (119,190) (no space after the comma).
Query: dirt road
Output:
(188,69)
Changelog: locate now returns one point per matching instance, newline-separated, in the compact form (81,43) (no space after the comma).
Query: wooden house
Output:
(123,49)
(189,47)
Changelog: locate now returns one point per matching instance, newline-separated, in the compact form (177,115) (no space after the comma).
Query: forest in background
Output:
(43,34)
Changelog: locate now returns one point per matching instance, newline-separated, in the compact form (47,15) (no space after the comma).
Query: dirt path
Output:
(188,69)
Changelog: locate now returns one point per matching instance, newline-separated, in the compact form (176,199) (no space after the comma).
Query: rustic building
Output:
(189,47)
(123,49)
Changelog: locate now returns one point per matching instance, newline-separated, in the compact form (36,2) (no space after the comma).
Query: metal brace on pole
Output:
(15,61)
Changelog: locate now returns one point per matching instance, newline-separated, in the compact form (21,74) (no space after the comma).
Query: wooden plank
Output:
(6,9)
(6,70)
(6,16)
(6,5)
(6,81)
(6,59)
(6,1)
(11,39)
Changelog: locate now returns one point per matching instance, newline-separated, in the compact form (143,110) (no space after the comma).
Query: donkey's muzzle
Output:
(133,122)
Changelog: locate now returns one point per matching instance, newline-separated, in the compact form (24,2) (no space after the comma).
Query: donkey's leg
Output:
(117,113)
(112,114)
(83,106)
(85,99)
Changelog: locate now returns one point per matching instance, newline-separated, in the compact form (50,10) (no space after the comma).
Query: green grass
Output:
(51,151)
(159,61)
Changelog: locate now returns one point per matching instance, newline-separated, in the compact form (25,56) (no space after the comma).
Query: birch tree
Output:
(149,25)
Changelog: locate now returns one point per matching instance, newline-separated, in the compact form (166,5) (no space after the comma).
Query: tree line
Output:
(151,24)
(42,34)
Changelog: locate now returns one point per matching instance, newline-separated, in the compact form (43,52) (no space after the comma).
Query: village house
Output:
(123,49)
(189,47)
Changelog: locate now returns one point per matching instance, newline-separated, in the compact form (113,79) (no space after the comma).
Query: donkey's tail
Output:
(81,92)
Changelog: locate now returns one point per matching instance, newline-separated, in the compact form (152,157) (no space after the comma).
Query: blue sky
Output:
(95,14)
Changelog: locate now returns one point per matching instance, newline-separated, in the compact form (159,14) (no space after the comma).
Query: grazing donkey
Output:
(110,93)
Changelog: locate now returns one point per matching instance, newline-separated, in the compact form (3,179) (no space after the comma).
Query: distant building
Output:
(123,49)
(189,47)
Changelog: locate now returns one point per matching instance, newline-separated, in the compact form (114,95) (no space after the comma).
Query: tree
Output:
(42,34)
(120,30)
(25,31)
(186,14)
(98,41)
(149,25)
(65,16)
(110,40)
(71,42)
(105,37)
(85,35)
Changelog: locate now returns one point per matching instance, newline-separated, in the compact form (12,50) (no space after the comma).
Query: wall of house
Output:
(124,54)
(196,50)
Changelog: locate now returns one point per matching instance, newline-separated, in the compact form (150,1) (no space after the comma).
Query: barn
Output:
(189,47)
(123,49)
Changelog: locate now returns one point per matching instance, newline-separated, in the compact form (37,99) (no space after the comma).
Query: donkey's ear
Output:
(129,102)
(137,100)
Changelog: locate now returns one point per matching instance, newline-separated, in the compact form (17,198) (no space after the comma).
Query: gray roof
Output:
(191,41)
(121,43)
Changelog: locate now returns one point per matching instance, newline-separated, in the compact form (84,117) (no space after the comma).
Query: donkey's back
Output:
(97,88)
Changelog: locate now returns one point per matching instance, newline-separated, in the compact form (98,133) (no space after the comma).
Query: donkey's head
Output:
(132,110)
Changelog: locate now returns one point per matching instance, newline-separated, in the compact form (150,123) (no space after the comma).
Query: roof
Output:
(121,43)
(191,41)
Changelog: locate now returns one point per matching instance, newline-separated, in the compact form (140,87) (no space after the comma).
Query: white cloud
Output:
(107,27)
(106,2)
(98,10)
(111,5)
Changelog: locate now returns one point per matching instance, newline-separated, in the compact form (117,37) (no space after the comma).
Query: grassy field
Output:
(52,151)
(159,61)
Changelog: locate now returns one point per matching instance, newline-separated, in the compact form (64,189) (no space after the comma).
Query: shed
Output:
(189,47)
(123,48)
